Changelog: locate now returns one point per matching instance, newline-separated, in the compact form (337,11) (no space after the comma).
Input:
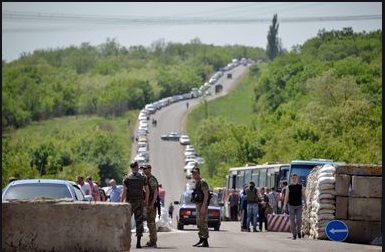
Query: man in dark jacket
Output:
(293,198)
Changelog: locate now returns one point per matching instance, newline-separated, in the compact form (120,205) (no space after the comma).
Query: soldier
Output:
(201,198)
(136,192)
(151,207)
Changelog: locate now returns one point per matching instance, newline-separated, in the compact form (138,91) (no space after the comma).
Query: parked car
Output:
(187,211)
(28,189)
(172,136)
(184,140)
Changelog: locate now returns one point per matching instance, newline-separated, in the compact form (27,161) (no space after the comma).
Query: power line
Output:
(59,18)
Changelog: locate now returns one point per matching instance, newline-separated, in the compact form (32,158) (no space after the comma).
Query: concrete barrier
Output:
(57,225)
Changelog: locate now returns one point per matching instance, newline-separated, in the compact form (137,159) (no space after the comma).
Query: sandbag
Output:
(327,168)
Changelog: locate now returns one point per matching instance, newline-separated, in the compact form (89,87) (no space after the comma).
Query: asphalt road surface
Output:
(167,157)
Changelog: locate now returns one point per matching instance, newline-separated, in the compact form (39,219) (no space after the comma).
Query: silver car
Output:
(29,189)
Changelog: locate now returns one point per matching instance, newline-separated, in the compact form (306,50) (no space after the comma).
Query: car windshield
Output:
(31,191)
(186,199)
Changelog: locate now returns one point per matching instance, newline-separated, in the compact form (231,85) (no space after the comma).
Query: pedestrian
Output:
(243,207)
(252,206)
(152,183)
(262,209)
(187,105)
(201,197)
(293,199)
(94,189)
(170,210)
(115,192)
(162,194)
(282,197)
(273,201)
(84,186)
(233,202)
(136,192)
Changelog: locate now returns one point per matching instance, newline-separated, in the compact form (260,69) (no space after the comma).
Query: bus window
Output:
(270,180)
(233,183)
(255,176)
(262,178)
(247,176)
(240,179)
(303,168)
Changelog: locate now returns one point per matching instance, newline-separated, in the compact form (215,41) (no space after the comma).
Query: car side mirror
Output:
(221,204)
(176,202)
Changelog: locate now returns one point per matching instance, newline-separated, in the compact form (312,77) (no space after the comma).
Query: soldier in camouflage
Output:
(200,197)
(151,207)
(136,192)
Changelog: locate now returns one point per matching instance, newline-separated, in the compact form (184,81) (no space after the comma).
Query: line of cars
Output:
(187,210)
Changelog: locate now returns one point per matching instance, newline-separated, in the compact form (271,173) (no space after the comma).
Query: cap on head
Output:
(195,169)
(134,164)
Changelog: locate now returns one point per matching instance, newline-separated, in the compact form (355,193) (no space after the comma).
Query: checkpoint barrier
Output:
(63,225)
(278,222)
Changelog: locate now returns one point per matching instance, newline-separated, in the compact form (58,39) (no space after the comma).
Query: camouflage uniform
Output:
(136,202)
(202,219)
(151,213)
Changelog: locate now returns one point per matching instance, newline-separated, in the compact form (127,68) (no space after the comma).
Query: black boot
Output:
(204,244)
(138,242)
(198,243)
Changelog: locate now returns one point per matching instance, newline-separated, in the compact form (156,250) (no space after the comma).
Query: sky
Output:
(35,25)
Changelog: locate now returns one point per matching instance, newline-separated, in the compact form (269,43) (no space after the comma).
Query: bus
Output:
(270,174)
(303,168)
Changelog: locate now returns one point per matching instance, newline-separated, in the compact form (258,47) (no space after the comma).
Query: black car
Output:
(172,136)
(187,211)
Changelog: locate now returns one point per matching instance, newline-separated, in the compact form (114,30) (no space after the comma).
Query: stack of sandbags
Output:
(323,203)
(309,192)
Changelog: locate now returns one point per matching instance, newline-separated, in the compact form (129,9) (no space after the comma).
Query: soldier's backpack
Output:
(134,184)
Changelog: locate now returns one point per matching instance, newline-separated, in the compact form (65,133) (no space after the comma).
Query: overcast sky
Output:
(30,26)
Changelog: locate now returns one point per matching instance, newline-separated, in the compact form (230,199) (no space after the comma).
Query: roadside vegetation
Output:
(72,110)
(321,100)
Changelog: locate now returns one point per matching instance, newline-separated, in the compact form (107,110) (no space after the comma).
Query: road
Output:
(166,157)
(167,160)
(229,238)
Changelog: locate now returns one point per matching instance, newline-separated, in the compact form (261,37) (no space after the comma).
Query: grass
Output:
(66,128)
(236,107)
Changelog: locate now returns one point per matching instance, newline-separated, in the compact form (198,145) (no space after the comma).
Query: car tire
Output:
(216,227)
(180,226)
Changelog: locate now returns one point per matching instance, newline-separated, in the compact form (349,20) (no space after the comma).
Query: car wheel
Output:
(216,227)
(180,226)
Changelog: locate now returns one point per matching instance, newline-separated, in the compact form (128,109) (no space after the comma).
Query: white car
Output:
(184,139)
(189,148)
(190,165)
(190,153)
(188,173)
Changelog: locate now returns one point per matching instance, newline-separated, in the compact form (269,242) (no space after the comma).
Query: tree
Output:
(273,42)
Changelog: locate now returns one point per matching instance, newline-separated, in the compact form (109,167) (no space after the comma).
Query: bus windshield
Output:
(302,171)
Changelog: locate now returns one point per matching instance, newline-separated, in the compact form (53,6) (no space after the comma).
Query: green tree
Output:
(273,42)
